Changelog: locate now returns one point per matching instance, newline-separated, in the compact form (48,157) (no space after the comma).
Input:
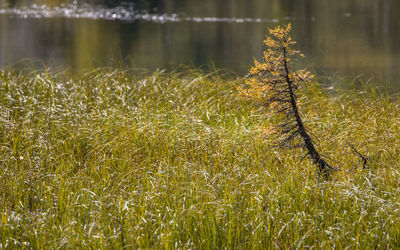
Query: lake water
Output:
(339,37)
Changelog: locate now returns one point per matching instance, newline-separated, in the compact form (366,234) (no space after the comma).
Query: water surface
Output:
(341,37)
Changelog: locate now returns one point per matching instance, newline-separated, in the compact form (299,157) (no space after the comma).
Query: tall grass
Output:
(123,159)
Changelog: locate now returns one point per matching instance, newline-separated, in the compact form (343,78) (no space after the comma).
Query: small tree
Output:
(273,83)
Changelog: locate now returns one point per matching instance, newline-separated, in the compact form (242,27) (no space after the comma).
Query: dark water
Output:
(341,37)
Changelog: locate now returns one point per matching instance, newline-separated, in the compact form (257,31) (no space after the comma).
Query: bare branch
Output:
(364,159)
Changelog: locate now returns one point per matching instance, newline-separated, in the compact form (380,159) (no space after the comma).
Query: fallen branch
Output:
(364,159)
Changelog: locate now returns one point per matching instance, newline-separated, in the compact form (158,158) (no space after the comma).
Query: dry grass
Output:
(113,159)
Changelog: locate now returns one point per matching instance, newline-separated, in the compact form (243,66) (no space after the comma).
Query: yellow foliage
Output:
(273,83)
(269,77)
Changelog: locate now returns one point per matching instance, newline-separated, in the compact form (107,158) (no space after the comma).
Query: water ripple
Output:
(125,13)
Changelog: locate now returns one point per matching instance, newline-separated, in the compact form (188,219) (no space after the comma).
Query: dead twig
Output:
(364,159)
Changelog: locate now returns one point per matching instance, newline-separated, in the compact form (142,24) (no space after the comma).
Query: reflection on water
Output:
(348,37)
(120,13)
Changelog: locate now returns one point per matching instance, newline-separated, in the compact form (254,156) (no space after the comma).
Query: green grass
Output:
(113,159)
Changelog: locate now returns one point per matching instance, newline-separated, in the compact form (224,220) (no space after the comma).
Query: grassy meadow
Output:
(128,159)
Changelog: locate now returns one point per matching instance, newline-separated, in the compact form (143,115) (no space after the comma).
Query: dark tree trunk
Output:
(323,166)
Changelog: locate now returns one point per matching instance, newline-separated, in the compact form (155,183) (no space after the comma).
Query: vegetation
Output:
(274,84)
(114,158)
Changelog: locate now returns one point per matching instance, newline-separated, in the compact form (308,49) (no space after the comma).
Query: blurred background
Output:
(342,37)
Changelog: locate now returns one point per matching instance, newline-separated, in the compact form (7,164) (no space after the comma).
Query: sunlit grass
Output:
(113,158)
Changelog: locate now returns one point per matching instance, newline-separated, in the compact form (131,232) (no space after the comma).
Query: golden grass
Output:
(114,158)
